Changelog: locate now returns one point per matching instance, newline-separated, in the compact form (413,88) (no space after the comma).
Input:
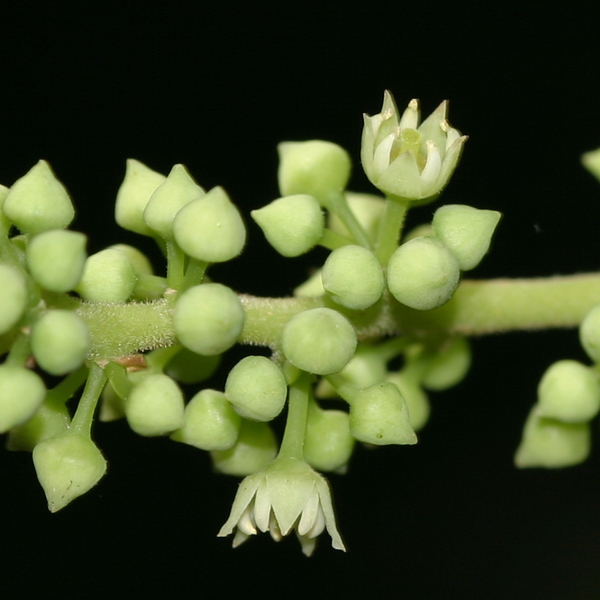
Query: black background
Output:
(216,86)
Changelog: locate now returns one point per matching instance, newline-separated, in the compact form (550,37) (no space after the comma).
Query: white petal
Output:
(246,523)
(381,157)
(309,514)
(328,513)
(410,117)
(262,507)
(433,165)
(243,498)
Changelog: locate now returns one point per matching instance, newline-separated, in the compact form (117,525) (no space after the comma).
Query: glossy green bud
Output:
(328,444)
(423,273)
(21,393)
(49,420)
(208,318)
(448,366)
(292,224)
(317,168)
(589,334)
(67,466)
(13,297)
(188,367)
(368,210)
(56,259)
(570,392)
(139,184)
(257,389)
(416,399)
(552,444)
(155,406)
(379,415)
(353,277)
(38,201)
(210,228)
(465,231)
(211,423)
(319,340)
(255,448)
(169,198)
(107,277)
(60,341)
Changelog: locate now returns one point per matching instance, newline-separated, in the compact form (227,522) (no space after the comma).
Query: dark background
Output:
(216,86)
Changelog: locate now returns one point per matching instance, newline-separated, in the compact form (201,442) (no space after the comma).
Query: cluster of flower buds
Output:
(557,432)
(50,287)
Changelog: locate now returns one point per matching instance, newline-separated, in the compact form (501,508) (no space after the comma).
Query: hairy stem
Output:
(477,308)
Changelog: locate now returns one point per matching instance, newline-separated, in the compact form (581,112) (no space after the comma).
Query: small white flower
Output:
(408,160)
(287,495)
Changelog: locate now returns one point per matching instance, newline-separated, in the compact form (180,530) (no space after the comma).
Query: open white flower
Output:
(408,160)
(287,495)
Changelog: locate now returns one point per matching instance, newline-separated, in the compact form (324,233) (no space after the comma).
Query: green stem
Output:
(175,266)
(84,415)
(390,228)
(477,308)
(292,445)
(339,206)
(333,240)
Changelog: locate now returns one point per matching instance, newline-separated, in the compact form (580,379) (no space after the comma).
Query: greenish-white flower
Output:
(286,496)
(406,159)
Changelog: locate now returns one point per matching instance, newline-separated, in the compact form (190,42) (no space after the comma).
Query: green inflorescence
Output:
(377,329)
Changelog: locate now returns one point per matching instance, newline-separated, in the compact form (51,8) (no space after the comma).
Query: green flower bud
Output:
(188,367)
(353,277)
(416,399)
(107,277)
(13,297)
(5,223)
(368,210)
(21,393)
(257,388)
(155,406)
(292,225)
(465,231)
(570,392)
(139,184)
(210,422)
(167,200)
(423,273)
(379,415)
(328,444)
(317,168)
(408,160)
(210,228)
(589,334)
(112,406)
(138,260)
(313,286)
(367,367)
(56,259)
(552,444)
(67,466)
(49,420)
(319,340)
(60,341)
(38,201)
(448,366)
(255,448)
(591,161)
(208,318)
